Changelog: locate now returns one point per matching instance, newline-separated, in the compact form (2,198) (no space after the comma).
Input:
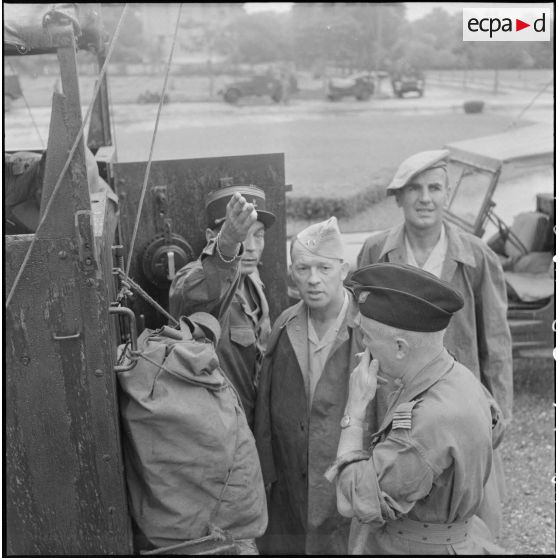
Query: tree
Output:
(255,38)
(130,43)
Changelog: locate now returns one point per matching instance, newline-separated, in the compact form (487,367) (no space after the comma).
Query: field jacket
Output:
(296,443)
(478,335)
(430,461)
(210,285)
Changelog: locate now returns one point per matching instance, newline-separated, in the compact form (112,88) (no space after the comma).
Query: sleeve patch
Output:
(403,416)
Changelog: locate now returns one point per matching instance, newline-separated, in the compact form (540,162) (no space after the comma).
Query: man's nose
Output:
(425,195)
(249,244)
(314,277)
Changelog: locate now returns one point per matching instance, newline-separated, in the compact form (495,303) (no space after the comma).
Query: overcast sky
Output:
(415,10)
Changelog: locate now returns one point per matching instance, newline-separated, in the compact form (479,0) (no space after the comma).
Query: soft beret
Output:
(216,204)
(415,164)
(405,297)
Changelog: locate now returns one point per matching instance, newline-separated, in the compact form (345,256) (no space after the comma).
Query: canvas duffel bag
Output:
(190,458)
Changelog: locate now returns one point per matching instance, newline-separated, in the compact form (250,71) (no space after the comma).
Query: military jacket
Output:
(430,461)
(296,443)
(211,285)
(478,335)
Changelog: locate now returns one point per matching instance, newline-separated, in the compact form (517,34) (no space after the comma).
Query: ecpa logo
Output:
(506,24)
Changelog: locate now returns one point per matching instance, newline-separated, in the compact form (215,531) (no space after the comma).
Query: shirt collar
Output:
(456,249)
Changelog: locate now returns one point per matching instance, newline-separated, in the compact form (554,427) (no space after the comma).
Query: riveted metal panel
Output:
(187,184)
(64,473)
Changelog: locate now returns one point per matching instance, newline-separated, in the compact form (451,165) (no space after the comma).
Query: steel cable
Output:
(148,168)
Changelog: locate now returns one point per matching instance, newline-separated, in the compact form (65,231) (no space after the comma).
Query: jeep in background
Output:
(259,86)
(360,86)
(513,172)
(406,81)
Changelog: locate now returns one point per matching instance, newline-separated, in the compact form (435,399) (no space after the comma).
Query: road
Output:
(328,147)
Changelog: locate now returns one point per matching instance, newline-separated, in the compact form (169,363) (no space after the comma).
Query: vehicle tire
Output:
(232,96)
(420,92)
(399,94)
(276,97)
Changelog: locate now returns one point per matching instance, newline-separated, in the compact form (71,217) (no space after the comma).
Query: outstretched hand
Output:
(240,216)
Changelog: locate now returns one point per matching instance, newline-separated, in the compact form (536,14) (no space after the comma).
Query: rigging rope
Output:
(530,104)
(130,283)
(148,168)
(70,156)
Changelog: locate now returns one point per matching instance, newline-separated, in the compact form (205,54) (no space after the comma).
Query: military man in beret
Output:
(301,397)
(419,486)
(478,336)
(225,282)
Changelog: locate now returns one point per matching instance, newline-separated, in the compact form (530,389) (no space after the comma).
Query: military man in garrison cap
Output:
(419,486)
(301,397)
(225,282)
(478,336)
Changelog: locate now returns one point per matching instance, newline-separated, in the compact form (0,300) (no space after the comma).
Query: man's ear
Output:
(209,234)
(344,270)
(402,348)
(397,196)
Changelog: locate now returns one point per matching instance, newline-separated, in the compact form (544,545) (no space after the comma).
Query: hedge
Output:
(322,207)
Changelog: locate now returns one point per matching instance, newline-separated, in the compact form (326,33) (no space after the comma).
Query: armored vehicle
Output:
(94,271)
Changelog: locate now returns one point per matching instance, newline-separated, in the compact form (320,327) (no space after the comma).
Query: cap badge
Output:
(363,296)
(310,243)
(254,203)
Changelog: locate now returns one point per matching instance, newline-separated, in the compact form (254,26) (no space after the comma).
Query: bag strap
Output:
(211,520)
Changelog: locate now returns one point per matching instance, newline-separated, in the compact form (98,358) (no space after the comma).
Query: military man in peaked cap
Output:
(225,282)
(301,398)
(478,336)
(418,488)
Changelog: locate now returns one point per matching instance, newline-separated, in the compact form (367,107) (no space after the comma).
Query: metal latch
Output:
(132,355)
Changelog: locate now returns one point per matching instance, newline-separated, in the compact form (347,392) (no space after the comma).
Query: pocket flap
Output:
(243,335)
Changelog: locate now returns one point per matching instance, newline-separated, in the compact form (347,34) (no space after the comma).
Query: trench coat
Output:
(430,461)
(210,285)
(478,335)
(296,444)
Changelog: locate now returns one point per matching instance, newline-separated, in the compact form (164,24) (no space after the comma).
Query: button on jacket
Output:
(210,285)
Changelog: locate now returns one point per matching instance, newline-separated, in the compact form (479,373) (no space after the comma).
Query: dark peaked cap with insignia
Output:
(405,297)
(216,204)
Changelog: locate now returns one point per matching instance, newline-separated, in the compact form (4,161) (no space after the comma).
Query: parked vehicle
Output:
(69,300)
(360,86)
(259,86)
(407,81)
(503,192)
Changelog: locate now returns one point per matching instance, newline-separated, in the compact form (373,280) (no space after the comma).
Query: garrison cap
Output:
(322,239)
(415,164)
(405,297)
(216,204)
